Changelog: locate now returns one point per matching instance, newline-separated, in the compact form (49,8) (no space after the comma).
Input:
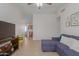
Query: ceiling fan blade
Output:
(49,3)
(29,3)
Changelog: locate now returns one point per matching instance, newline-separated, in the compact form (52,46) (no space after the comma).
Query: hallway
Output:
(32,48)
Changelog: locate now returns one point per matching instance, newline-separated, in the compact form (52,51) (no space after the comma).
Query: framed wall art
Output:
(75,19)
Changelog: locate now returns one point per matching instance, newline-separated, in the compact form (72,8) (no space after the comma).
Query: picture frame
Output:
(75,19)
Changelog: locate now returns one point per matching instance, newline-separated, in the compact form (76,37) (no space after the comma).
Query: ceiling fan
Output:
(39,5)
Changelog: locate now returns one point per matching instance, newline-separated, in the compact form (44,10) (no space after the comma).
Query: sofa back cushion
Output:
(75,45)
(70,42)
(66,41)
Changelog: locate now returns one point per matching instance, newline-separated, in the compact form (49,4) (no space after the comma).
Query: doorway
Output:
(30,30)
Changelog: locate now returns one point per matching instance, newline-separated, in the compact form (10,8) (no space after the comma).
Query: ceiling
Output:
(33,9)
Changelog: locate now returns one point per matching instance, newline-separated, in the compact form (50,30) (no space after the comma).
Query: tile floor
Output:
(32,48)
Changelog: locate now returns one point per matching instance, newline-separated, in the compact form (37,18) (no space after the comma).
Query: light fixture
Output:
(39,5)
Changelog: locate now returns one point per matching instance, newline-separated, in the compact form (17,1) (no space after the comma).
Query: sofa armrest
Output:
(56,38)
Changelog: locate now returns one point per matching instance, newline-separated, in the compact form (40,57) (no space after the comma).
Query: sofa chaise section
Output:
(59,47)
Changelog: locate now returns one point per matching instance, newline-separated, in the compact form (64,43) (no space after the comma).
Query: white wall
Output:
(9,13)
(45,26)
(65,16)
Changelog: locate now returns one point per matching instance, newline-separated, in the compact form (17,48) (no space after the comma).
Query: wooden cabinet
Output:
(8,47)
(15,43)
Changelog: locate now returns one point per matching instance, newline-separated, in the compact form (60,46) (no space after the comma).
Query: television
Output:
(6,29)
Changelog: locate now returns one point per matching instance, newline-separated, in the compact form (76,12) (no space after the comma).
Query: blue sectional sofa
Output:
(55,45)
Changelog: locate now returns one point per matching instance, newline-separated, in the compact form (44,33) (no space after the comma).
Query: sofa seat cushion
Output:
(70,52)
(60,48)
(64,50)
